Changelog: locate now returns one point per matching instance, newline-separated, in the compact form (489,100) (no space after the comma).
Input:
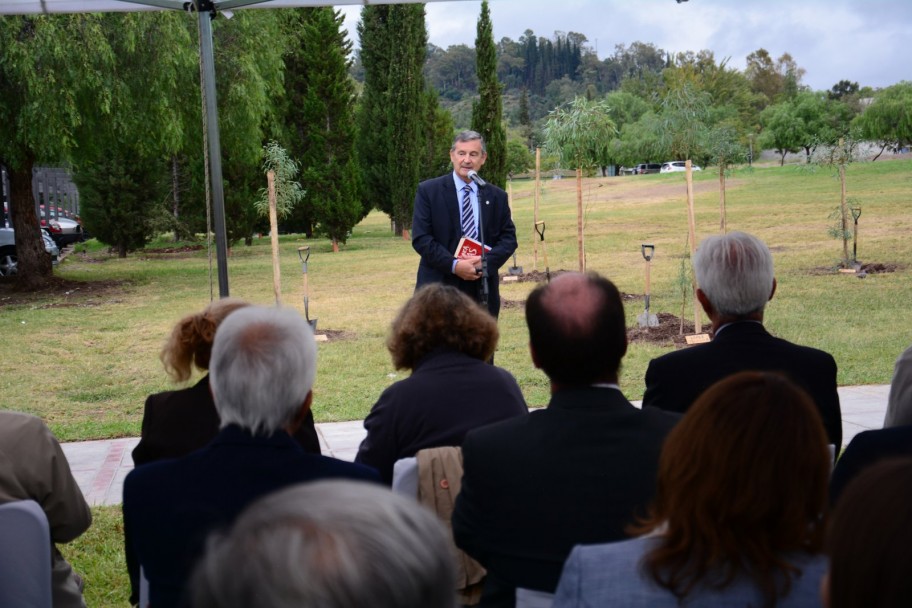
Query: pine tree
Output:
(487,112)
(322,114)
(373,134)
(525,120)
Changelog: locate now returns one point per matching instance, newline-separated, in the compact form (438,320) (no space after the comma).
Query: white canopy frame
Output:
(206,11)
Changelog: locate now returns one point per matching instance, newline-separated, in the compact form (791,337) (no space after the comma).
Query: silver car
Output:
(8,257)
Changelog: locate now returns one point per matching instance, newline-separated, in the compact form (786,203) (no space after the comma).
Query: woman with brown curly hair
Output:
(445,338)
(739,514)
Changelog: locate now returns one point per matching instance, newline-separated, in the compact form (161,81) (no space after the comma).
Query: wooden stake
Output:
(579,218)
(691,221)
(274,233)
(535,208)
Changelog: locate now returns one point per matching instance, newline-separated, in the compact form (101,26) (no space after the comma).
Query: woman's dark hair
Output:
(870,539)
(437,317)
(742,481)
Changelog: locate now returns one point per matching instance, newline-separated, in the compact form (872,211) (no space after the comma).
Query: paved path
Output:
(100,466)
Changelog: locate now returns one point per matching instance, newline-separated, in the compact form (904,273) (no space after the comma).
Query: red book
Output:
(469,247)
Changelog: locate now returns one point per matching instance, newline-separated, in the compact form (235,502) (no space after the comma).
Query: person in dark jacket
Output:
(444,338)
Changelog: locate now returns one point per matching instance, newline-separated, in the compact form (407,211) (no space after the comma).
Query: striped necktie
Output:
(468,218)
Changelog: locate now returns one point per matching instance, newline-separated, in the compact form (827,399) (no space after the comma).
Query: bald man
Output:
(575,472)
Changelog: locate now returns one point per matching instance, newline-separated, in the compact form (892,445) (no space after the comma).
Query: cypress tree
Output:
(487,112)
(322,115)
(372,140)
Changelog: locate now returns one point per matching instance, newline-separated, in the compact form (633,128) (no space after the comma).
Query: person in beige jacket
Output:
(34,467)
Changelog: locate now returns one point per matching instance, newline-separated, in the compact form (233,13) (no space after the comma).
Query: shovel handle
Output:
(648,251)
(304,253)
(541,233)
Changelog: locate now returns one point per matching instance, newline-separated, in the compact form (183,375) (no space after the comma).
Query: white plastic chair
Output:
(529,598)
(405,477)
(25,555)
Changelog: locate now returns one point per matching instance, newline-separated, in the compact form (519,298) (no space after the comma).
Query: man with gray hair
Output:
(734,274)
(262,371)
(328,544)
(461,204)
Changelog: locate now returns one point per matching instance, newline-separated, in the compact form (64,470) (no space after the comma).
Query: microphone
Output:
(473,175)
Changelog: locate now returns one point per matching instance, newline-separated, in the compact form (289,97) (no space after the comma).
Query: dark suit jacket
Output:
(437,228)
(675,380)
(170,506)
(176,423)
(535,486)
(866,449)
(447,395)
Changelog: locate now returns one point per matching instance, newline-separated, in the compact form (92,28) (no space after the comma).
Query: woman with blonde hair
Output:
(740,509)
(445,339)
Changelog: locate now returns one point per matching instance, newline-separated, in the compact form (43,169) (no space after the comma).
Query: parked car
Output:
(644,168)
(63,230)
(677,165)
(9,261)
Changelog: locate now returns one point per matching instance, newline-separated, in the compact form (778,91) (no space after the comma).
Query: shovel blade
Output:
(648,319)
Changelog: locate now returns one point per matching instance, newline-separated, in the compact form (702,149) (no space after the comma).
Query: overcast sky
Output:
(866,41)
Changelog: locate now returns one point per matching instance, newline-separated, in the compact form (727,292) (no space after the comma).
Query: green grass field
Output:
(85,360)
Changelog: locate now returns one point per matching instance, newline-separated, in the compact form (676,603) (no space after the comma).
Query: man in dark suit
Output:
(576,472)
(262,370)
(452,206)
(734,274)
(867,449)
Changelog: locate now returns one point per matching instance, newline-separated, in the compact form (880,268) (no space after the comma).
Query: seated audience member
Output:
(575,472)
(262,370)
(34,467)
(899,403)
(444,337)
(176,423)
(328,544)
(739,514)
(869,542)
(734,274)
(867,449)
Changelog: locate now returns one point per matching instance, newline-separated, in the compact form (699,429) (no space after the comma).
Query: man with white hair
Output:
(261,371)
(734,274)
(329,544)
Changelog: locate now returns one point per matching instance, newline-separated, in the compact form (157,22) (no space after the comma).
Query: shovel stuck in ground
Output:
(647,319)
(540,229)
(304,254)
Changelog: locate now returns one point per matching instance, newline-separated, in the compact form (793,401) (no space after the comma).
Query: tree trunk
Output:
(782,158)
(882,148)
(175,194)
(722,197)
(121,251)
(843,211)
(335,243)
(579,218)
(34,265)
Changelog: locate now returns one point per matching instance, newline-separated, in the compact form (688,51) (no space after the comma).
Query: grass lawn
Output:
(85,359)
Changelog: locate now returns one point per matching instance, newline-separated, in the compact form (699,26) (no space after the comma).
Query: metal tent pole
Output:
(206,15)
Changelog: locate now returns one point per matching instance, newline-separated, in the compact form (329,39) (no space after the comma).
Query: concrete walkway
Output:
(100,466)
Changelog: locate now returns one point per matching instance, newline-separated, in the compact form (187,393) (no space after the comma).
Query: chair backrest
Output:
(530,598)
(405,477)
(25,555)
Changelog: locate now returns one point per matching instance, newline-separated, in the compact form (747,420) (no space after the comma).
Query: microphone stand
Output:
(483,294)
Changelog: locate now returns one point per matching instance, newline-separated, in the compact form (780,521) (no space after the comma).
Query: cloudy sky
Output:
(866,41)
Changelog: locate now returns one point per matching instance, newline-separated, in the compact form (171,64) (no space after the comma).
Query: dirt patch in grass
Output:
(861,271)
(534,276)
(62,293)
(336,335)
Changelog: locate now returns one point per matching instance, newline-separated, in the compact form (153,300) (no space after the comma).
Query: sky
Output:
(864,41)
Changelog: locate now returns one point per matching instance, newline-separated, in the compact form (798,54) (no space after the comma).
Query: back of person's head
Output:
(742,480)
(735,272)
(329,544)
(870,540)
(438,317)
(577,329)
(191,339)
(264,361)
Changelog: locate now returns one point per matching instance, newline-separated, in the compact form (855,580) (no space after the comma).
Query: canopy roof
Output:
(32,7)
